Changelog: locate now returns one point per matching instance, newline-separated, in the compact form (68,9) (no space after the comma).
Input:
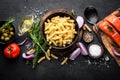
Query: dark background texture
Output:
(80,69)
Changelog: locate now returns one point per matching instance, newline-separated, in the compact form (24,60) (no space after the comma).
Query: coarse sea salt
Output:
(95,50)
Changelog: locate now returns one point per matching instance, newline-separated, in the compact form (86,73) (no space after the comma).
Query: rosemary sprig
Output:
(37,39)
(7,23)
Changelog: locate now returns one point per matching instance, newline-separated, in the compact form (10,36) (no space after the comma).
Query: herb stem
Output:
(37,43)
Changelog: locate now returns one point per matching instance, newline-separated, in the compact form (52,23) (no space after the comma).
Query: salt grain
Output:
(106,58)
(89,63)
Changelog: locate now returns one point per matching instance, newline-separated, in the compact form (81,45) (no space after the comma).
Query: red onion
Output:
(83,48)
(23,41)
(80,21)
(115,52)
(75,54)
(27,57)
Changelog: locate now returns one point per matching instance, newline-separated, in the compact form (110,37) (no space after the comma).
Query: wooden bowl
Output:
(61,13)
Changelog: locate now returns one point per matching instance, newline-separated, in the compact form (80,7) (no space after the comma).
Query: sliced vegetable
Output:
(83,48)
(116,53)
(75,54)
(80,21)
(27,57)
(23,42)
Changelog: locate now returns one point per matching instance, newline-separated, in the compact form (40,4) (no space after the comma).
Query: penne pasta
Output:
(60,31)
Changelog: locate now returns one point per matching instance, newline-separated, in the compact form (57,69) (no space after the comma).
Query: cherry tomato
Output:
(12,51)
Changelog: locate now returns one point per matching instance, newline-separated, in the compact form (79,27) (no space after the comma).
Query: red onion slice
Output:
(115,52)
(75,54)
(23,41)
(83,48)
(27,57)
(80,21)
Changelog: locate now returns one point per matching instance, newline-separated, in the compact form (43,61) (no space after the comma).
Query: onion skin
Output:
(75,54)
(115,52)
(27,57)
(84,51)
(23,42)
(80,21)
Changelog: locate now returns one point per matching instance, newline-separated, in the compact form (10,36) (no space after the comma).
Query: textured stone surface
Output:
(83,68)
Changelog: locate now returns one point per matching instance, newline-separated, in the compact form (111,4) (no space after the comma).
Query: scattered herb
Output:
(72,12)
(7,23)
(110,28)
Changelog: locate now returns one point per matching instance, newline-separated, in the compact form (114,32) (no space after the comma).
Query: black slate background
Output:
(80,69)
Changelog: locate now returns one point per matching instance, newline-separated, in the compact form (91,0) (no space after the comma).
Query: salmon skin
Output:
(108,29)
